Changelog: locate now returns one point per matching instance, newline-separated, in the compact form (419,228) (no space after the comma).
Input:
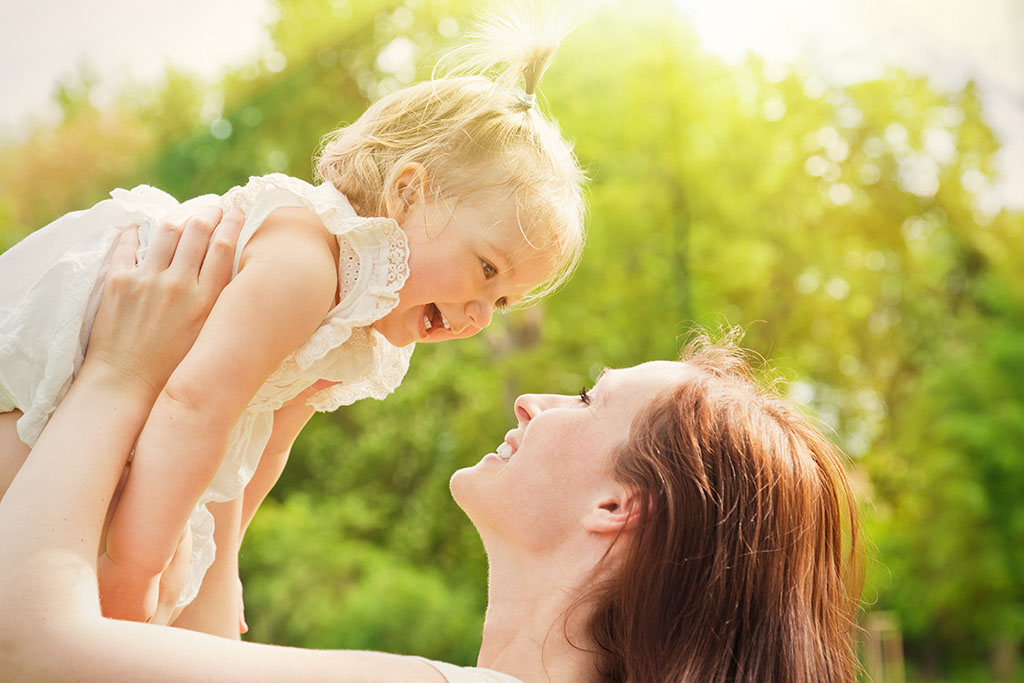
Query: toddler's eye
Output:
(489,270)
(501,304)
(584,396)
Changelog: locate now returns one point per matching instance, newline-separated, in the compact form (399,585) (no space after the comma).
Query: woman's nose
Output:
(526,407)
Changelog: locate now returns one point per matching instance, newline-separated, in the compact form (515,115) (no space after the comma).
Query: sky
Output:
(45,41)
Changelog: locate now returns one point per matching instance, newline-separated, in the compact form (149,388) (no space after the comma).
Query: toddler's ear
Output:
(410,187)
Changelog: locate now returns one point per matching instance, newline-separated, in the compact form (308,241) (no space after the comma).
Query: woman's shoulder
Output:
(469,674)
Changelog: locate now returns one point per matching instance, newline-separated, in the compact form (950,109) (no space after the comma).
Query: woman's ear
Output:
(613,513)
(408,188)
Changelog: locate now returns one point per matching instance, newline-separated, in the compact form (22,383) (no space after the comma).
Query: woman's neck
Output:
(533,629)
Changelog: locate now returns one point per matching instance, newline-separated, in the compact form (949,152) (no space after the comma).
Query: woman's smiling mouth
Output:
(507,448)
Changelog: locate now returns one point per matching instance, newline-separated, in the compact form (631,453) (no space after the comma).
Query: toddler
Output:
(443,201)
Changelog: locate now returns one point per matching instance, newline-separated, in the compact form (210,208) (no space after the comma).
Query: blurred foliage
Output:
(841,225)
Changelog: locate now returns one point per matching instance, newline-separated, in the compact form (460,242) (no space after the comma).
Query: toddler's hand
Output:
(125,592)
(151,312)
(172,581)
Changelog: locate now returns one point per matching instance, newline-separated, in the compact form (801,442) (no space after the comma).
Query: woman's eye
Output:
(585,396)
(489,270)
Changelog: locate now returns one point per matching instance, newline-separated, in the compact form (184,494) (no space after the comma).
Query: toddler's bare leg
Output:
(217,608)
(13,450)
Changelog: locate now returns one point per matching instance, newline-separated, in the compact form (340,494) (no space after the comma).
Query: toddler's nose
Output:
(479,313)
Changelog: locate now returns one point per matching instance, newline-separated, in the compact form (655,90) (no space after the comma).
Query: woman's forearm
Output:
(109,650)
(51,525)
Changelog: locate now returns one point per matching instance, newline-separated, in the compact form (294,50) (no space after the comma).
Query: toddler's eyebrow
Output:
(503,258)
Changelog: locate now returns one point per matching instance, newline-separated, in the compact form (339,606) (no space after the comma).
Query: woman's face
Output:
(557,464)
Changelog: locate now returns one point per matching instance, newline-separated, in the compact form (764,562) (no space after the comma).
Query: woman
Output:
(676,523)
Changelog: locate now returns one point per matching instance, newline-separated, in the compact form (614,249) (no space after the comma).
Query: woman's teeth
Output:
(504,451)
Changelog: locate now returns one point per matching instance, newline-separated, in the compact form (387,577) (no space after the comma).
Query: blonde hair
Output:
(473,133)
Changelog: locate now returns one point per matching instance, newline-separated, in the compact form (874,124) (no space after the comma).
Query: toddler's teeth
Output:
(426,322)
(444,320)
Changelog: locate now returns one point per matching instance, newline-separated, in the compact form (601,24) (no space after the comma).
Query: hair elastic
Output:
(527,99)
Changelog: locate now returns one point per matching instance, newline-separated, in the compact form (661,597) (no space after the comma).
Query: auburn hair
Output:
(744,564)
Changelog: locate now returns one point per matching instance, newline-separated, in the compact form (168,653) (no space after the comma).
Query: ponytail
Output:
(512,47)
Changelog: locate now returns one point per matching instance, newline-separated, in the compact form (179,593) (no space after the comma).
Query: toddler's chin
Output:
(395,335)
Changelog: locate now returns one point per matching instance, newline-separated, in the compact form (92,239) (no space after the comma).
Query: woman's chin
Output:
(458,485)
(466,486)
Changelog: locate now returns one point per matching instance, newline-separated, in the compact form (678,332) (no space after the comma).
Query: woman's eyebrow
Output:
(599,396)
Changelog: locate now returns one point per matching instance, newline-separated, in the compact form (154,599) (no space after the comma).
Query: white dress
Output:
(50,286)
(470,674)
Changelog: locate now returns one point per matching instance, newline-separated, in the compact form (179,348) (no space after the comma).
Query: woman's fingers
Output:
(220,256)
(150,315)
(123,257)
(195,238)
(163,241)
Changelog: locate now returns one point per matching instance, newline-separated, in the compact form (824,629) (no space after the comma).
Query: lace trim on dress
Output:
(383,270)
(389,367)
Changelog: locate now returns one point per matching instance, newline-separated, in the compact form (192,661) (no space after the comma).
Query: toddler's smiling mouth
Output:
(433,317)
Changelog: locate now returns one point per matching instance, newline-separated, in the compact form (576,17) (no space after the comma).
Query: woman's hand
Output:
(151,311)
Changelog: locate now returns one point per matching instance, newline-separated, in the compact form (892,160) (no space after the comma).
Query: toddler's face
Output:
(465,260)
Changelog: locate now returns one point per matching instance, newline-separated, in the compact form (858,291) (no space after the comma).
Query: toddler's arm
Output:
(286,284)
(218,608)
(288,422)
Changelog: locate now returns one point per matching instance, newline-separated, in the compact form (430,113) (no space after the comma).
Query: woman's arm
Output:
(53,512)
(286,284)
(52,515)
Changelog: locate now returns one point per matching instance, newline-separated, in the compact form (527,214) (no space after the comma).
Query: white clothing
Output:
(50,286)
(470,674)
